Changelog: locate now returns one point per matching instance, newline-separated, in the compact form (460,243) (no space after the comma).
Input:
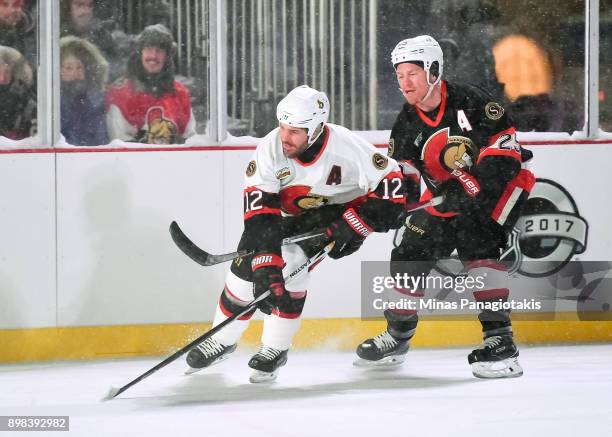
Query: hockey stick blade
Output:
(114,392)
(195,253)
(204,258)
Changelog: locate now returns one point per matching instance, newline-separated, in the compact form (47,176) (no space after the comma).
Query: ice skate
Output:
(496,357)
(207,353)
(266,363)
(381,351)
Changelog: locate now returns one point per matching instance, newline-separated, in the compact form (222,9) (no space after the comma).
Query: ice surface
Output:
(566,391)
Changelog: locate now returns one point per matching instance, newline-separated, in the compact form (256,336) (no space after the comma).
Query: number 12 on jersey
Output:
(391,188)
(252,200)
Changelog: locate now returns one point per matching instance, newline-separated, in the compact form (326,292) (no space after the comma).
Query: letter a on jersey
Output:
(463,122)
(335,176)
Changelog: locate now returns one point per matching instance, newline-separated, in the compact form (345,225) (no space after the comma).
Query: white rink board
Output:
(582,170)
(117,264)
(27,241)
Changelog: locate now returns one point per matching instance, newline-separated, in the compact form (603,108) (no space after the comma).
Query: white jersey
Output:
(346,168)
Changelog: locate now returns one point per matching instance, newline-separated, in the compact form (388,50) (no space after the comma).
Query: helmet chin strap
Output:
(318,131)
(430,88)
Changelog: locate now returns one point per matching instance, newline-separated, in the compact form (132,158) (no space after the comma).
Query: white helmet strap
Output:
(431,86)
(315,134)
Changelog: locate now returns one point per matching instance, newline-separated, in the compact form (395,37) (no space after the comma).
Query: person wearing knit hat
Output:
(148,105)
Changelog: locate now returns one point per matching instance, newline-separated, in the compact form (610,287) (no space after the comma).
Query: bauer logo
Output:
(550,231)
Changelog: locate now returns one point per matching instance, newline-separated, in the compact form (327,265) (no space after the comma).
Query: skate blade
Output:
(258,376)
(508,368)
(384,363)
(191,370)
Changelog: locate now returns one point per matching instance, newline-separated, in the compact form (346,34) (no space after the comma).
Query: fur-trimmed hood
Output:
(96,66)
(21,71)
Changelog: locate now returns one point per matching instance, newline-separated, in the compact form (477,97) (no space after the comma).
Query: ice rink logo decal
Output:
(549,231)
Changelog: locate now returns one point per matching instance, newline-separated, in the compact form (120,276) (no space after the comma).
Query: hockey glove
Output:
(268,275)
(459,193)
(349,232)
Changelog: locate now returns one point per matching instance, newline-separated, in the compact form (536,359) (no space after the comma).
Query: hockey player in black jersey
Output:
(462,145)
(306,175)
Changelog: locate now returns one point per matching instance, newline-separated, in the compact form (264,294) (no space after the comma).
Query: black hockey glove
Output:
(268,275)
(349,232)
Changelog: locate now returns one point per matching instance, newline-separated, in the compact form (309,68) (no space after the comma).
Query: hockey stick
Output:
(434,201)
(204,258)
(207,259)
(114,392)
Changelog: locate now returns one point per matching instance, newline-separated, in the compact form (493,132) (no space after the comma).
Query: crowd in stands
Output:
(118,85)
(104,95)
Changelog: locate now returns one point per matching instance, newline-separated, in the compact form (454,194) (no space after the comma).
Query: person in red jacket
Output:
(148,105)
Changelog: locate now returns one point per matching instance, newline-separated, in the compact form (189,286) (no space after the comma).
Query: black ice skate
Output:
(382,351)
(265,363)
(207,353)
(496,357)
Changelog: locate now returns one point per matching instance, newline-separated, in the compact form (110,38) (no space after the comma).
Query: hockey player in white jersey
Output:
(305,175)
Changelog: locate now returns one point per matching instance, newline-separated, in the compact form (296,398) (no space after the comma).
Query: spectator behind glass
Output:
(17,29)
(78,19)
(17,102)
(538,113)
(84,73)
(149,105)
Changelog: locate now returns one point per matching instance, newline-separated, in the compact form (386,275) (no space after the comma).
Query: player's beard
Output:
(295,151)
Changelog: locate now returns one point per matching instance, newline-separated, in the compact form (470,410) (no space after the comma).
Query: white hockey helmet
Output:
(423,49)
(306,108)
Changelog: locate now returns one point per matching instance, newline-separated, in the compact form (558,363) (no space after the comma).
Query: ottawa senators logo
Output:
(494,111)
(458,153)
(298,198)
(311,201)
(391,147)
(380,162)
(160,130)
(251,168)
(443,153)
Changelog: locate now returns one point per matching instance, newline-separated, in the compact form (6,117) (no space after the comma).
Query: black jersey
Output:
(468,142)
